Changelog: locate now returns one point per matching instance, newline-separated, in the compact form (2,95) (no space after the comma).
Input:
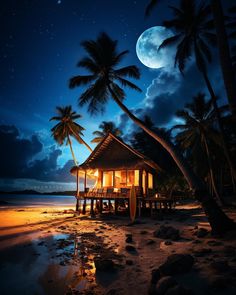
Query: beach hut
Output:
(115,168)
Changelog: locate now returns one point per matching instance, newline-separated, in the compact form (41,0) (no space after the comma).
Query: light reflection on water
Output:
(47,266)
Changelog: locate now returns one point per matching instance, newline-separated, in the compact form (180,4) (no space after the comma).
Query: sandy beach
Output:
(54,251)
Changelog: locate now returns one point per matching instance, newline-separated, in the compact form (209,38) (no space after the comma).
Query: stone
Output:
(177,264)
(168,243)
(129,239)
(150,242)
(130,248)
(201,232)
(104,265)
(164,284)
(167,232)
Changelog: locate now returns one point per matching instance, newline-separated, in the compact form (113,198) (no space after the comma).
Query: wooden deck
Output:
(113,201)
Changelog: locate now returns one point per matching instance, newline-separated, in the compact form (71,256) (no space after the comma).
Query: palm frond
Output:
(129,71)
(129,84)
(150,7)
(89,64)
(81,80)
(169,41)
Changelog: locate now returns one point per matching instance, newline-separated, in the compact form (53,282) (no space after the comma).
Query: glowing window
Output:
(107,178)
(150,180)
(120,178)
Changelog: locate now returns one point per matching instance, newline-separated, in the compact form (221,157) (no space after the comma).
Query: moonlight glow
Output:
(147,47)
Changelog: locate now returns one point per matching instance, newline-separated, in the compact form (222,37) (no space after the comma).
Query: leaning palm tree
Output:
(105,127)
(105,80)
(222,41)
(67,128)
(197,134)
(224,54)
(193,34)
(64,130)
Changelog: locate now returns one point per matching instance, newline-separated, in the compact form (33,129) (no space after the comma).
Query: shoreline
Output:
(55,252)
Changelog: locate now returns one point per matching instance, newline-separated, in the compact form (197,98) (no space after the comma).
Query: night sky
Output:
(40,47)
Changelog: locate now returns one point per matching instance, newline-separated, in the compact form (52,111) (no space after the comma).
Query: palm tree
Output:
(193,34)
(224,54)
(105,127)
(63,131)
(197,134)
(101,62)
(221,36)
(67,127)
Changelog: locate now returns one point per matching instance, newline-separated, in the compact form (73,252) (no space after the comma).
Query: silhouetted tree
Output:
(67,127)
(105,127)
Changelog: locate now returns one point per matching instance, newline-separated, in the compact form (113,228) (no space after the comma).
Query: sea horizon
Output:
(35,200)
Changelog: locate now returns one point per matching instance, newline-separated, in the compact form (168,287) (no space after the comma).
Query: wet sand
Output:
(52,251)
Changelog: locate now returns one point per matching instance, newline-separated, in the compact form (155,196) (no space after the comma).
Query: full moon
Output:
(147,47)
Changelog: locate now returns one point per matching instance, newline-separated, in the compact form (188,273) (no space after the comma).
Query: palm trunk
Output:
(71,149)
(219,221)
(80,139)
(224,54)
(223,140)
(77,191)
(211,171)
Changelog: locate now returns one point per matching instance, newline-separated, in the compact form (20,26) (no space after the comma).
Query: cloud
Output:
(18,158)
(169,91)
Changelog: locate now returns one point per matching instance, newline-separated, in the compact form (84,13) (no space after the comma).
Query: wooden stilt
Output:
(116,206)
(84,207)
(100,205)
(91,207)
(139,208)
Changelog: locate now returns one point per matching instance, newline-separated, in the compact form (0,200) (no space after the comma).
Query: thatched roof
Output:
(113,153)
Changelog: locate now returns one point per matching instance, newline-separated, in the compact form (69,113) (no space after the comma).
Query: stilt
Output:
(100,205)
(91,207)
(139,208)
(150,205)
(116,206)
(84,206)
(109,205)
(77,205)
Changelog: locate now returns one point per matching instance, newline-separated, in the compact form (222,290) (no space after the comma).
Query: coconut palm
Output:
(193,34)
(224,53)
(226,65)
(67,128)
(102,61)
(197,134)
(105,127)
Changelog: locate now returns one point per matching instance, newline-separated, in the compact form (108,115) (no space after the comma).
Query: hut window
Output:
(144,182)
(132,177)
(136,177)
(120,178)
(150,180)
(107,178)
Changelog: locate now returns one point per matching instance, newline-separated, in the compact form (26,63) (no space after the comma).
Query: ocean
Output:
(13,200)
